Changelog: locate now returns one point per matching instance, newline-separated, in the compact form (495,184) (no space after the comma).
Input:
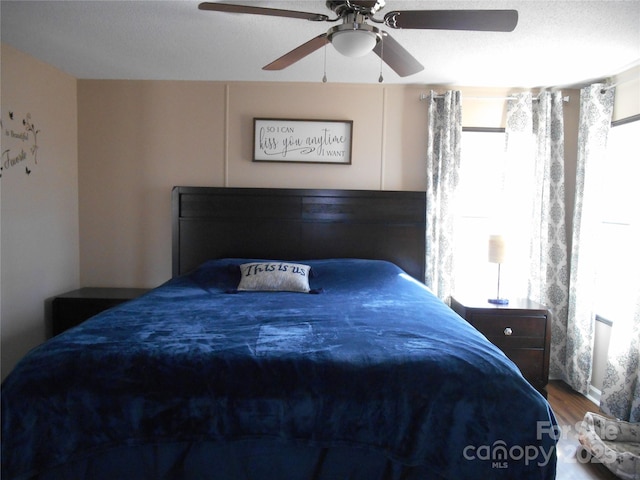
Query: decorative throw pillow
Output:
(274,277)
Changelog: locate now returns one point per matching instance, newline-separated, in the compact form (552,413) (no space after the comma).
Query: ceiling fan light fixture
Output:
(354,39)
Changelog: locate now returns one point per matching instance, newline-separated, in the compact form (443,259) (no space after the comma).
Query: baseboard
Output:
(594,395)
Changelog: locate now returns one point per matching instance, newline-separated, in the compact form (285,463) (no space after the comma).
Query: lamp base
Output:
(499,301)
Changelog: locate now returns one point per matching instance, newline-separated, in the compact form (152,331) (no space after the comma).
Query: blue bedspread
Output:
(374,361)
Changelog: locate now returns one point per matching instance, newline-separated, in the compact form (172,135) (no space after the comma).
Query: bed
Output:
(348,367)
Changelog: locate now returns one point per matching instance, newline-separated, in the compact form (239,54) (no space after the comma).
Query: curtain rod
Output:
(622,82)
(424,96)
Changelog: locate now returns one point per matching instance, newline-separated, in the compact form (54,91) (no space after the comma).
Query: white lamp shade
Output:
(497,249)
(354,43)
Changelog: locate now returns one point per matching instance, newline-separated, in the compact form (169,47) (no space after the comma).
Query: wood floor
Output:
(569,408)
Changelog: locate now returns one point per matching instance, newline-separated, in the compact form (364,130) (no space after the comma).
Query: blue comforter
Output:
(373,361)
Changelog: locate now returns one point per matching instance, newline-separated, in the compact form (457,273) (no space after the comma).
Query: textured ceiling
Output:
(556,43)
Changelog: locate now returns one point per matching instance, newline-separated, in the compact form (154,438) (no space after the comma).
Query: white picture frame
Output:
(302,141)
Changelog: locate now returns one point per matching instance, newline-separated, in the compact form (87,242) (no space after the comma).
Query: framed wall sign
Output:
(296,141)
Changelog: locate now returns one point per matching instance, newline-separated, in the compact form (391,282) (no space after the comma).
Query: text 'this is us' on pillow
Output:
(274,277)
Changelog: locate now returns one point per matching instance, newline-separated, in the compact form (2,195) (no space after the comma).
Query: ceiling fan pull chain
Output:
(380,78)
(324,77)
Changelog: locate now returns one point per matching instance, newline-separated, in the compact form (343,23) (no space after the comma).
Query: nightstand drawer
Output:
(529,362)
(526,331)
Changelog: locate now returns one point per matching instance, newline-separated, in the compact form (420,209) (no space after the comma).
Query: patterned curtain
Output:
(549,269)
(535,189)
(443,166)
(621,385)
(596,108)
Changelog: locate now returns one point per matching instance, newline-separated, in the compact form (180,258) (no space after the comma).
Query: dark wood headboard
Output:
(297,224)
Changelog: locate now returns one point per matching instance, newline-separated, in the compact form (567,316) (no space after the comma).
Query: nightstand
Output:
(72,308)
(521,329)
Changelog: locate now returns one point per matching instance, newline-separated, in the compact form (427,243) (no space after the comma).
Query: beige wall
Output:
(138,139)
(39,211)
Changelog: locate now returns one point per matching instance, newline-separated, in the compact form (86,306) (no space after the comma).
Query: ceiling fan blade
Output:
(276,12)
(298,53)
(480,20)
(397,57)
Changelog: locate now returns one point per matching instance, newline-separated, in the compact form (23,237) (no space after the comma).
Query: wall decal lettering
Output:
(19,144)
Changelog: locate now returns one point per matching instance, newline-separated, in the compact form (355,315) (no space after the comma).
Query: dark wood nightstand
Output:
(521,329)
(72,308)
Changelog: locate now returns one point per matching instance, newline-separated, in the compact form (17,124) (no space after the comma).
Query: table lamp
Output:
(497,254)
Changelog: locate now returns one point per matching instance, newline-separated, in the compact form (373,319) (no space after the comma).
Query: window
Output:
(482,210)
(619,230)
(482,159)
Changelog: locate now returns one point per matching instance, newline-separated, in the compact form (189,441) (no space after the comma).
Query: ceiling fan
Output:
(355,37)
